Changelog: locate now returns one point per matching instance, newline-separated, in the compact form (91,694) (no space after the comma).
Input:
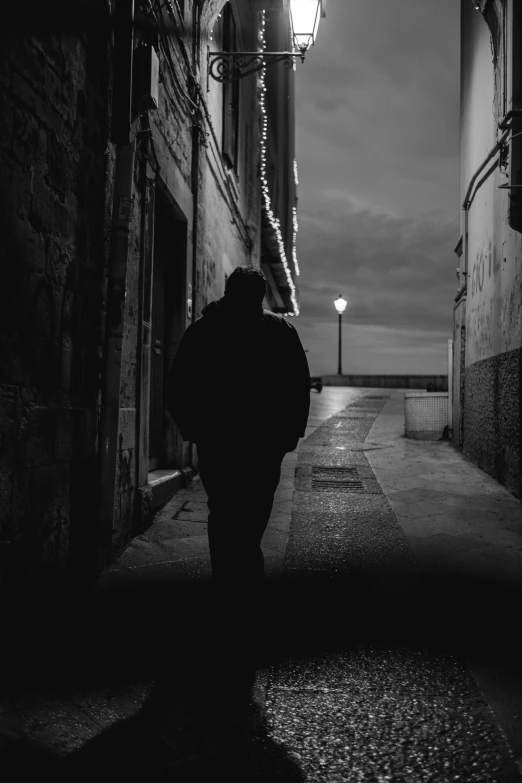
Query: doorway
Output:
(167,327)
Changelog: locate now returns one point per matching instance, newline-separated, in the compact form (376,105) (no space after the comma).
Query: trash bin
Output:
(425,414)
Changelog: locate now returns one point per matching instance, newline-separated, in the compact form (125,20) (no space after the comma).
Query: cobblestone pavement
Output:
(386,645)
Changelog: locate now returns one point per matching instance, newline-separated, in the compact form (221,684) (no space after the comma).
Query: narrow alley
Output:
(244,241)
(386,640)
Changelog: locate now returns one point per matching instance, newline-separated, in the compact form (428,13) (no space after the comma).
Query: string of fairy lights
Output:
(294,240)
(274,221)
(295,223)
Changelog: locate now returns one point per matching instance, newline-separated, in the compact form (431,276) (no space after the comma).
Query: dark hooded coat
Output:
(240,377)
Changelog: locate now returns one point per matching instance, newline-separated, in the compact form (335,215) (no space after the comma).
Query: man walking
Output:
(239,389)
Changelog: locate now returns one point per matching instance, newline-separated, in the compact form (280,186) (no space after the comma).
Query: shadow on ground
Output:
(196,723)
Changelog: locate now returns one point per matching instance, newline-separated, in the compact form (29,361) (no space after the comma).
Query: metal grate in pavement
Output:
(334,472)
(325,485)
(336,479)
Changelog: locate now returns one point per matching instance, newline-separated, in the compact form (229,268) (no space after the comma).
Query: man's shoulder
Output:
(275,320)
(203,322)
(211,321)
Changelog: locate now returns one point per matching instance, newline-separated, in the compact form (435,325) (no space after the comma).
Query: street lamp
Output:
(305,15)
(340,306)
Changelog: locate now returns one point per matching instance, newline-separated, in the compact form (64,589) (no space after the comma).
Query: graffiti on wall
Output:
(484,266)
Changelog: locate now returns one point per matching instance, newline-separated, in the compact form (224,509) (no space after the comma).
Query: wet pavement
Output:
(385,647)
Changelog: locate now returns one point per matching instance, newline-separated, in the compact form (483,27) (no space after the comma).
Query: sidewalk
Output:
(180,551)
(453,513)
(461,522)
(382,595)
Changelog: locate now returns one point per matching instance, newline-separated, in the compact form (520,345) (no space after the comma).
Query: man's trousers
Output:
(240,481)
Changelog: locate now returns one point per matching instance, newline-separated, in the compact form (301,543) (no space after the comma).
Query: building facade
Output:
(487,361)
(132,184)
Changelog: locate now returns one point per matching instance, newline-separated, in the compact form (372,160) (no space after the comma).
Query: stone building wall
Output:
(192,180)
(58,162)
(55,178)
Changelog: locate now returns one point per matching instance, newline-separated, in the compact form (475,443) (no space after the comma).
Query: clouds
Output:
(378,102)
(377,145)
(394,270)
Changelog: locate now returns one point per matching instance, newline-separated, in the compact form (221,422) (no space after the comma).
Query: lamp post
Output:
(340,306)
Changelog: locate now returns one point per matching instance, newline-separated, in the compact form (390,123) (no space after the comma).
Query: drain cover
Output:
(334,479)
(327,485)
(334,472)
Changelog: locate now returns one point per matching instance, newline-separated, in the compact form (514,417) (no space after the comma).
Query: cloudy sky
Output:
(377,150)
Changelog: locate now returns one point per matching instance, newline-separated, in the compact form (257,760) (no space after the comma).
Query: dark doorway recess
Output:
(168,323)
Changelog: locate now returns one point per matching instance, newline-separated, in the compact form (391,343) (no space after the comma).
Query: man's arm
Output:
(300,383)
(181,385)
(295,395)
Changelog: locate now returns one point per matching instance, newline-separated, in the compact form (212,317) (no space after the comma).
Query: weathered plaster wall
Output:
(477,128)
(230,200)
(227,204)
(492,377)
(169,148)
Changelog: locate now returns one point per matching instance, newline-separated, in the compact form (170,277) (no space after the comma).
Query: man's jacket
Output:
(240,377)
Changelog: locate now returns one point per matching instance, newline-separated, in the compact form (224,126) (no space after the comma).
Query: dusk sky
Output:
(378,157)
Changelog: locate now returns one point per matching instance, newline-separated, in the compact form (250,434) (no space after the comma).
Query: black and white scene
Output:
(261,391)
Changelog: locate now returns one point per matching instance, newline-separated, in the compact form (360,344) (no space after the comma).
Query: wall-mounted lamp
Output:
(305,15)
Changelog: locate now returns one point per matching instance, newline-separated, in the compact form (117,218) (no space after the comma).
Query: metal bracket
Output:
(226,67)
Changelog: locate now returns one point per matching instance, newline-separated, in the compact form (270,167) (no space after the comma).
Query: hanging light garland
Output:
(274,221)
(294,240)
(296,174)
(295,224)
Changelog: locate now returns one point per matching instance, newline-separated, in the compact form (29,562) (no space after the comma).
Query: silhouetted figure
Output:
(240,389)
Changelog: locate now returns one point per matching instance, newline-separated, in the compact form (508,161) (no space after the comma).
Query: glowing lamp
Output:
(305,16)
(340,304)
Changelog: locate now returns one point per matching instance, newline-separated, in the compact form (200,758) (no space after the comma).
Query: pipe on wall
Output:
(514,104)
(468,197)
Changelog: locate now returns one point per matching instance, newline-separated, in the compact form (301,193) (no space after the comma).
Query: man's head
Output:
(246,287)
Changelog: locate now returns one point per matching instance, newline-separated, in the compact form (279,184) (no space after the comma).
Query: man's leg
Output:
(216,476)
(240,483)
(260,486)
